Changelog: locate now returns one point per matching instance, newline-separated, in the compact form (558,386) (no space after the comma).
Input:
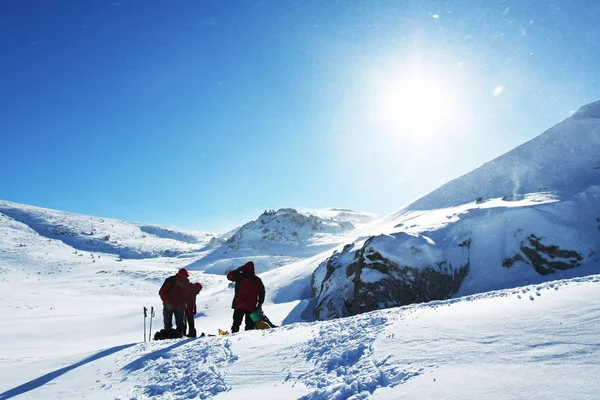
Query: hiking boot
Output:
(192,333)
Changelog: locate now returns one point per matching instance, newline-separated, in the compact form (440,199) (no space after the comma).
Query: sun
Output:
(415,103)
(418,103)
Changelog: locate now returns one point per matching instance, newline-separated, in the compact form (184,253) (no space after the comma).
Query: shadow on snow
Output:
(42,380)
(139,363)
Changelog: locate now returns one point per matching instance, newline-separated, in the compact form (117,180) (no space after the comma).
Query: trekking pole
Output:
(145,315)
(151,315)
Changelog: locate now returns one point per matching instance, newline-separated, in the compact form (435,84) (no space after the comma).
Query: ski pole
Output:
(145,315)
(151,315)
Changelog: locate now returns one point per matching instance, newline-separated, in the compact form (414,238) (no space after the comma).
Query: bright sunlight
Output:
(414,102)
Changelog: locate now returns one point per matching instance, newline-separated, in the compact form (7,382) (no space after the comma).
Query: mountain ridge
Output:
(524,169)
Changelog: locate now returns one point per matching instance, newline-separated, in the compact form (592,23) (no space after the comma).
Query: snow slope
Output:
(531,342)
(58,299)
(105,235)
(564,159)
(73,328)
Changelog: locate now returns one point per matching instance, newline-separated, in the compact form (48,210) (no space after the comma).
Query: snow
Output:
(518,343)
(371,275)
(568,164)
(71,303)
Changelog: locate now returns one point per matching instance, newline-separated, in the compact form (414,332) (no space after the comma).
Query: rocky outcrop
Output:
(363,279)
(480,246)
(545,259)
(401,284)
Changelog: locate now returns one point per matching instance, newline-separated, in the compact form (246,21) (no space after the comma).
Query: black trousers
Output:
(238,315)
(190,323)
(168,314)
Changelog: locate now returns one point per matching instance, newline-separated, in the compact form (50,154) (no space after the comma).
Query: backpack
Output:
(167,334)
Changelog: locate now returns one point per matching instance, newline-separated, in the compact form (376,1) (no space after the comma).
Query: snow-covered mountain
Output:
(73,288)
(283,237)
(531,215)
(105,235)
(564,159)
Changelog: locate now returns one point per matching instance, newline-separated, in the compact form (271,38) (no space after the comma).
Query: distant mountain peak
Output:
(280,212)
(591,110)
(285,225)
(562,159)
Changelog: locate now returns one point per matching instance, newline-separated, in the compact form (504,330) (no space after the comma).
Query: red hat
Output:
(182,272)
(248,267)
(197,287)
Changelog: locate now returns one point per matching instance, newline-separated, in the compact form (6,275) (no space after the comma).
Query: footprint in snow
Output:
(531,298)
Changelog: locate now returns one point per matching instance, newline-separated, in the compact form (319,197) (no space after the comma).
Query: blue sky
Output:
(202,114)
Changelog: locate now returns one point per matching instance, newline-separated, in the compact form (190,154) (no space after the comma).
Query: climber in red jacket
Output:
(173,295)
(249,295)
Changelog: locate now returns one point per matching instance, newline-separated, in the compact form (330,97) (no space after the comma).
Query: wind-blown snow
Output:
(568,163)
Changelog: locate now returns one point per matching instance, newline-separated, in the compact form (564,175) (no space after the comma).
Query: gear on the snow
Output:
(260,320)
(167,334)
(261,325)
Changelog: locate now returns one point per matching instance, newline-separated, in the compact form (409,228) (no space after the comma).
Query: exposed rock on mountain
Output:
(285,226)
(276,238)
(375,279)
(544,259)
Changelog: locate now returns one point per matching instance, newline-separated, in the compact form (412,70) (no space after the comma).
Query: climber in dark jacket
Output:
(193,289)
(249,295)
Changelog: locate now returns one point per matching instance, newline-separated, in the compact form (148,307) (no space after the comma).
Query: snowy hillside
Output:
(530,216)
(564,159)
(104,235)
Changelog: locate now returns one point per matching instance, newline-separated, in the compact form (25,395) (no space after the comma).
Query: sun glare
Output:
(414,104)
